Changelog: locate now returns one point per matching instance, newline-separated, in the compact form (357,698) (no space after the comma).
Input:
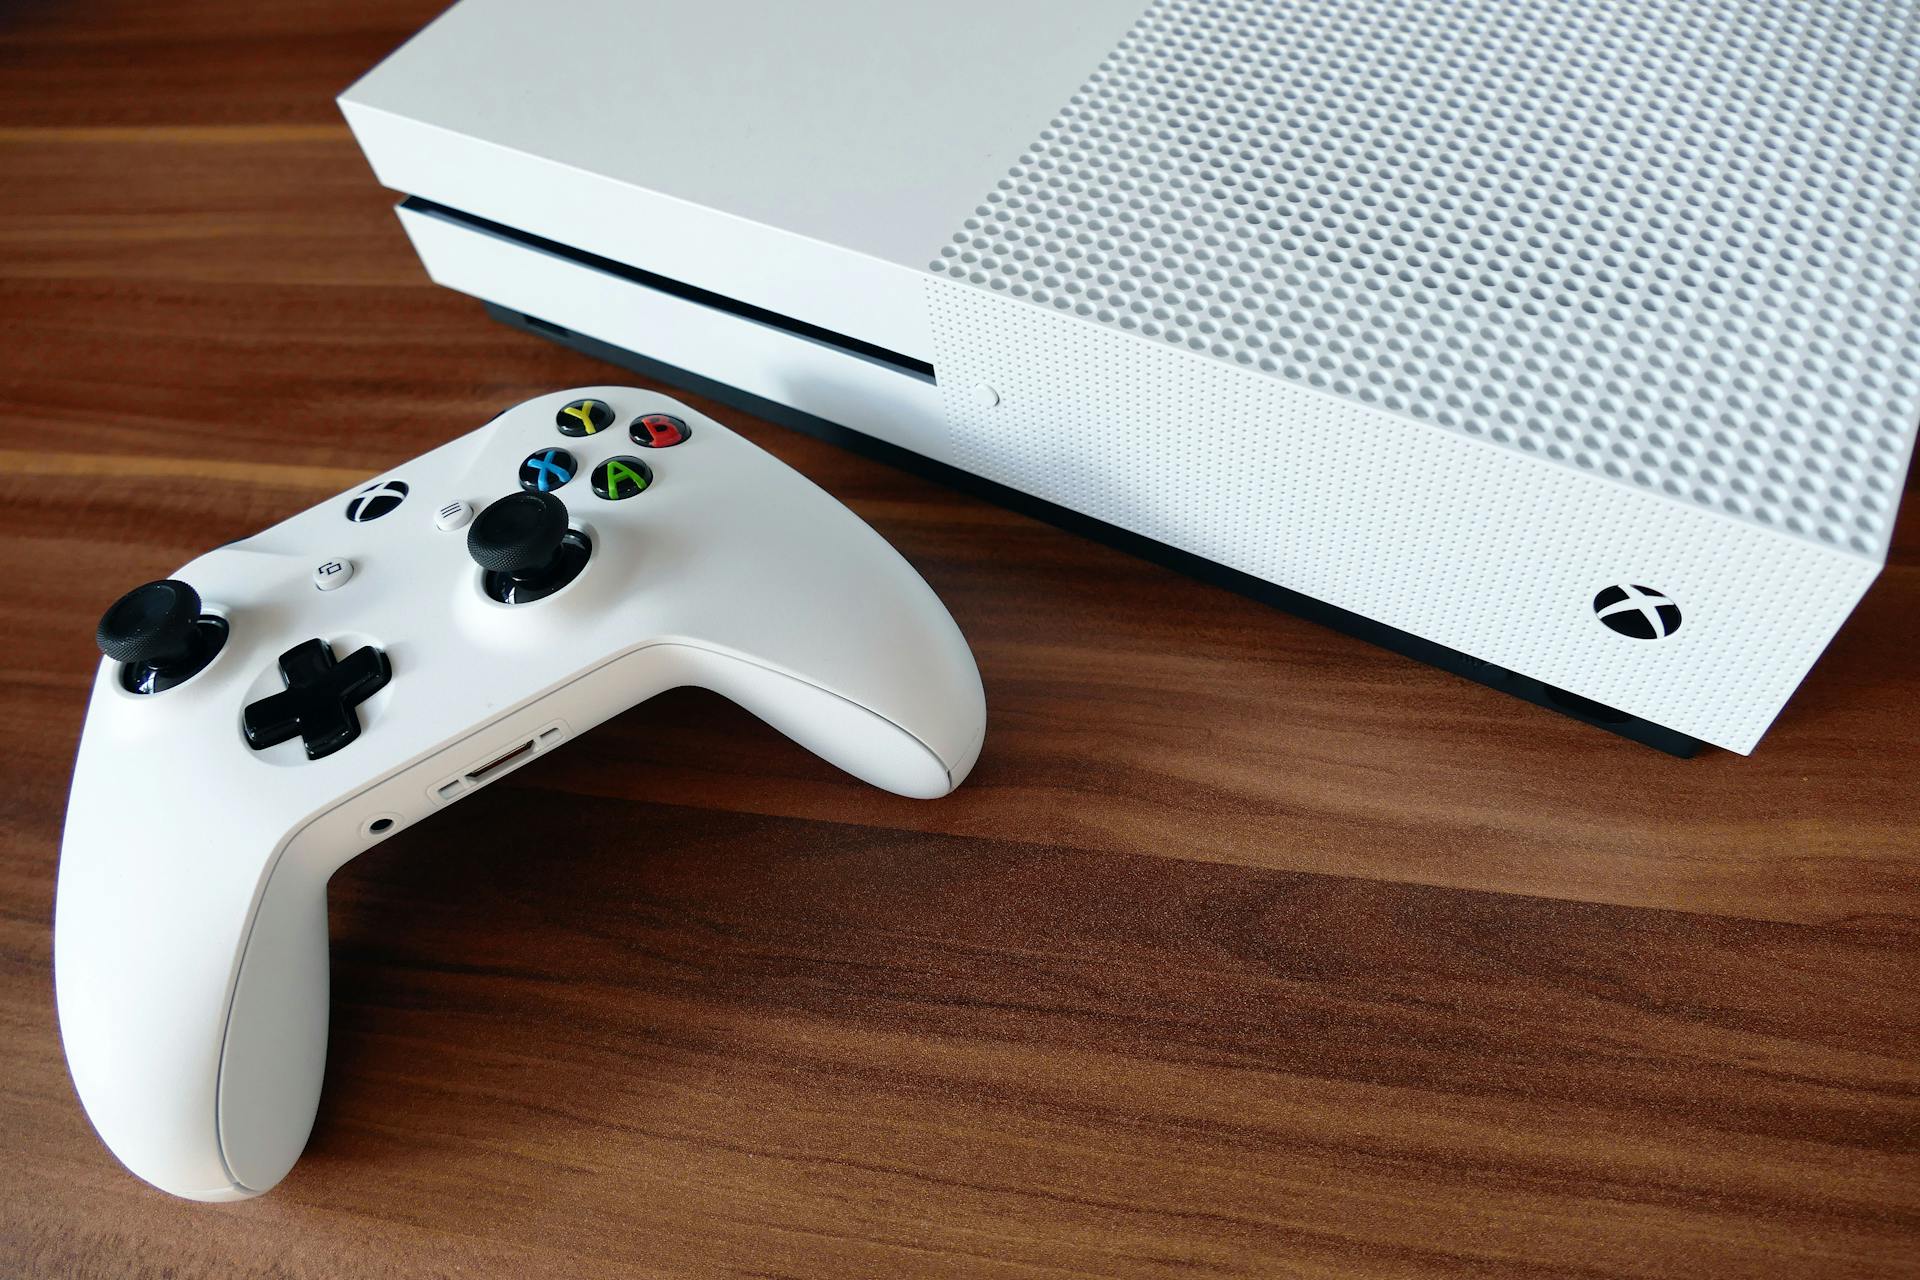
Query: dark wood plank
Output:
(1248,950)
(585,1031)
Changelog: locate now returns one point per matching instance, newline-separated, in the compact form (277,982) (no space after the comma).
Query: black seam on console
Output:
(897,361)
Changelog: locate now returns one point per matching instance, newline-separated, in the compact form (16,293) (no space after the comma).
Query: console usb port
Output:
(483,772)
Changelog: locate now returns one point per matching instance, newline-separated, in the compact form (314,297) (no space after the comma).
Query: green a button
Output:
(622,477)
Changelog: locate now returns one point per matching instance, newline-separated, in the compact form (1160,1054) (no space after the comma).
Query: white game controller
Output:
(351,671)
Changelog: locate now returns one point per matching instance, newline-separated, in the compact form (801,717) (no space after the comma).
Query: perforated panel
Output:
(1483,549)
(1668,242)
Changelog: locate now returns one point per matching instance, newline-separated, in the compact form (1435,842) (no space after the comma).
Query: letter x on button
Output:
(547,470)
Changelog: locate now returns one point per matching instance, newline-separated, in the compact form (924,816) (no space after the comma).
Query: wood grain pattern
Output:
(1248,950)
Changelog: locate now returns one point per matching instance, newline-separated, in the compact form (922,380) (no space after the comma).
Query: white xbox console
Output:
(294,698)
(1573,345)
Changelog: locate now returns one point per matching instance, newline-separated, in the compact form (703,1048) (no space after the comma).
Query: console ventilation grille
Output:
(1672,242)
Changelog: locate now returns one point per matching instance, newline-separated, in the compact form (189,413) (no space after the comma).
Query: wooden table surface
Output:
(1247,950)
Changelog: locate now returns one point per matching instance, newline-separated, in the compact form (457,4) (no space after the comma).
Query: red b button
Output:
(658,431)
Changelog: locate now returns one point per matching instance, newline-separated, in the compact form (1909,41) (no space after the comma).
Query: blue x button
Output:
(547,470)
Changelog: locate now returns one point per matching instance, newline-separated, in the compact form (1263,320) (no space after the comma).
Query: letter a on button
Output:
(618,478)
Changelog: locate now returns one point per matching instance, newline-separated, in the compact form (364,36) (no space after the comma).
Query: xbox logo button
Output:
(376,500)
(1640,612)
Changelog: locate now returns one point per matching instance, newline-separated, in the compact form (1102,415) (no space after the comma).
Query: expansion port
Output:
(498,763)
(492,766)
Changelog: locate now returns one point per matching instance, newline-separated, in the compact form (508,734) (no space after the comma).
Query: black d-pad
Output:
(319,700)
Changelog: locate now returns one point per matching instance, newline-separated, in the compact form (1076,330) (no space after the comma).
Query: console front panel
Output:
(1482,549)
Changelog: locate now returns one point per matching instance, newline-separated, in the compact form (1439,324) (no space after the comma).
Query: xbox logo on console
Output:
(376,500)
(1640,612)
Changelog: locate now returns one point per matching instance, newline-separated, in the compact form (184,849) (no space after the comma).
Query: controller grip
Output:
(275,1053)
(839,729)
(155,1006)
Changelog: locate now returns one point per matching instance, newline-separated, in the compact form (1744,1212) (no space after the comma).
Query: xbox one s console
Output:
(292,699)
(1574,346)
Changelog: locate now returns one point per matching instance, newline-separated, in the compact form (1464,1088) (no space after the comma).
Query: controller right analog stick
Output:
(526,548)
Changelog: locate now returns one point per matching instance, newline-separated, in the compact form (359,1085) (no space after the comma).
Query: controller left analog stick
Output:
(158,634)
